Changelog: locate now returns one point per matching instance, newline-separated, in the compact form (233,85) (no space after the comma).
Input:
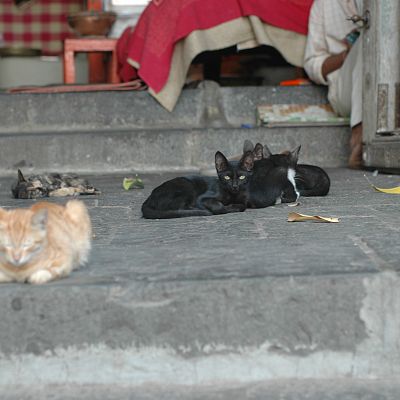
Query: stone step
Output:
(128,131)
(201,328)
(307,389)
(136,328)
(144,150)
(207,106)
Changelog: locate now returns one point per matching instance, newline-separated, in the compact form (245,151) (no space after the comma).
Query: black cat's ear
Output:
(247,161)
(221,163)
(295,154)
(248,146)
(258,151)
(266,151)
(21,177)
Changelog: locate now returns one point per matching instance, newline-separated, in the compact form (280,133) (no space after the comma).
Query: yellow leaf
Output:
(394,190)
(296,217)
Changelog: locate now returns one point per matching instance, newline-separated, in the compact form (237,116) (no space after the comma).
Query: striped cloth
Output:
(41,24)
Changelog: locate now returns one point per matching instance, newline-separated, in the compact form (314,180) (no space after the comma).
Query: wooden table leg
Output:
(69,66)
(96,67)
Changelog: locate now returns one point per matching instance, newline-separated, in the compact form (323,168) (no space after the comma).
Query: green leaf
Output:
(132,183)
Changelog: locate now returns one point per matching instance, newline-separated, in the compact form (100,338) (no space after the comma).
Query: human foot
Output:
(355,159)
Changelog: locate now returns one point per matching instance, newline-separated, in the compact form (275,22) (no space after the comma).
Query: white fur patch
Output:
(4,278)
(290,175)
(41,276)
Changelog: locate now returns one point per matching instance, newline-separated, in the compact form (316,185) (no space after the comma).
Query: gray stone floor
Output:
(252,244)
(223,300)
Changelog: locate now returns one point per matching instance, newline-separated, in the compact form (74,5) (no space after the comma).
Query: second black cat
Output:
(310,180)
(273,180)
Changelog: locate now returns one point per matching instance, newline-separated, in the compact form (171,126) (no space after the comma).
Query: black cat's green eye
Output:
(227,177)
(241,177)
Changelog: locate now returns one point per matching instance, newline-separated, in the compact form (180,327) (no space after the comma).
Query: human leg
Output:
(345,96)
(355,158)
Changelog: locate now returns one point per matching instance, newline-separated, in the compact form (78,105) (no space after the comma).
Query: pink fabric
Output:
(125,71)
(164,22)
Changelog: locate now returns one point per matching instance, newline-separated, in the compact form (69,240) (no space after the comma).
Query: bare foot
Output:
(355,159)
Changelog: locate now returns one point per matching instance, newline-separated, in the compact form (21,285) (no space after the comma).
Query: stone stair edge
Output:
(350,389)
(208,106)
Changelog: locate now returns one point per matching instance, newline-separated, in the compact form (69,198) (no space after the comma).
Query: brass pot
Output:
(92,23)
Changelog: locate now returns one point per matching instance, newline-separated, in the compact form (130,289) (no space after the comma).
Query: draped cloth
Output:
(170,33)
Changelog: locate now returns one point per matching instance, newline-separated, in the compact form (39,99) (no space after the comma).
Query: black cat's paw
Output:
(236,207)
(288,199)
(289,196)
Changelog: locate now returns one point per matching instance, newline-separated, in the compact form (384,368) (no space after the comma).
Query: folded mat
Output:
(137,84)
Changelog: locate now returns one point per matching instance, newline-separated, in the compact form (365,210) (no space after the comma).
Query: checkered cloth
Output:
(40,25)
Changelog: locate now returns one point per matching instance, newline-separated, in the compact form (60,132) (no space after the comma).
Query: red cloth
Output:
(165,22)
(40,25)
(125,71)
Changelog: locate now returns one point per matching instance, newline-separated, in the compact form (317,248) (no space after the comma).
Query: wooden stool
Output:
(90,45)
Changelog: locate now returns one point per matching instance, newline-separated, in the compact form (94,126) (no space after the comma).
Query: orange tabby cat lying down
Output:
(44,242)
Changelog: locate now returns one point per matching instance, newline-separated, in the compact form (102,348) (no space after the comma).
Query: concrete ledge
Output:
(161,150)
(345,389)
(209,105)
(200,333)
(129,131)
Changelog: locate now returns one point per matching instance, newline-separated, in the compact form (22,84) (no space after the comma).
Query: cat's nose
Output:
(17,258)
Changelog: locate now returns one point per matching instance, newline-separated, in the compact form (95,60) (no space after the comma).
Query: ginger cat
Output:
(44,242)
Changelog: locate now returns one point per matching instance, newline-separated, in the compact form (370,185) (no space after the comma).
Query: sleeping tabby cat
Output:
(44,242)
(203,195)
(37,186)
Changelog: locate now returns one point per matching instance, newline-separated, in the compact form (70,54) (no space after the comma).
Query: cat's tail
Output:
(78,215)
(151,213)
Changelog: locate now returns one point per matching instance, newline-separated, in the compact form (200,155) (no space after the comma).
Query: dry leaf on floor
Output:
(394,190)
(296,217)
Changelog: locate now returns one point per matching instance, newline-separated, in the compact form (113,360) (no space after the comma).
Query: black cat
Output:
(203,195)
(311,180)
(272,181)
